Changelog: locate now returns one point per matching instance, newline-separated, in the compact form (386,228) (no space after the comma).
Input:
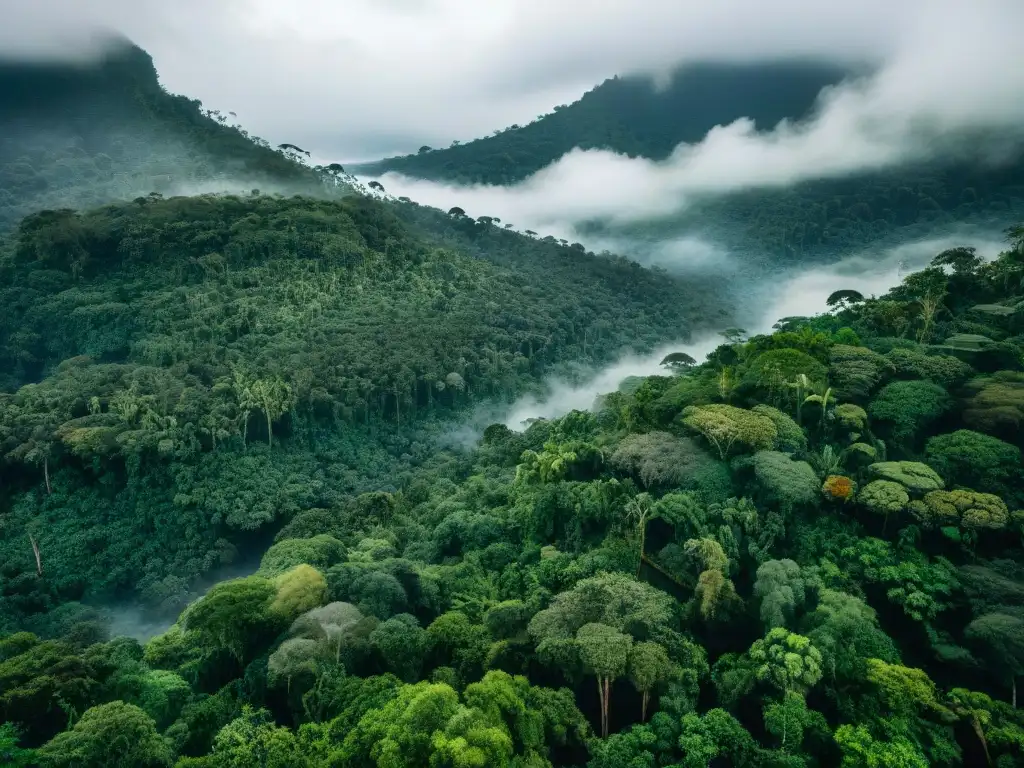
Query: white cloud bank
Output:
(954,82)
(360,78)
(798,294)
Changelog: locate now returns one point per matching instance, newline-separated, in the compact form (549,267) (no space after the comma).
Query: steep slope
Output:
(806,222)
(629,115)
(818,221)
(185,372)
(83,135)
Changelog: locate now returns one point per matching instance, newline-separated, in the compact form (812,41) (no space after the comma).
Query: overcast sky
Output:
(352,79)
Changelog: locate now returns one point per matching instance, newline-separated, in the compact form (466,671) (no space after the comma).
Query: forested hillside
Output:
(804,551)
(150,347)
(630,115)
(819,221)
(83,135)
(813,221)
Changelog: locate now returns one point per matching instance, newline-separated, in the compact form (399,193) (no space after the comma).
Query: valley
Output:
(309,463)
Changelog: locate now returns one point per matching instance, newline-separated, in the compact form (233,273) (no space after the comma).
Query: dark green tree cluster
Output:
(804,551)
(184,373)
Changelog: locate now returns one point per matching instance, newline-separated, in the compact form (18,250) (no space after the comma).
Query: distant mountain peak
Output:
(633,115)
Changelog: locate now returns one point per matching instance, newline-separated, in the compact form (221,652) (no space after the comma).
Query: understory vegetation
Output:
(804,551)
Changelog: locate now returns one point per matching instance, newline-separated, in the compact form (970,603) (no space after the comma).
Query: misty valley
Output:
(665,430)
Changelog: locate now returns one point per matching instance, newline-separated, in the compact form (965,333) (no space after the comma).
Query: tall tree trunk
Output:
(245,429)
(643,707)
(600,696)
(607,694)
(270,432)
(46,474)
(35,550)
(980,733)
(1013,685)
(643,541)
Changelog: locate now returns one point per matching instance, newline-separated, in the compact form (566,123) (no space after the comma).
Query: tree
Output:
(787,661)
(845,629)
(115,734)
(783,481)
(725,426)
(296,657)
(791,437)
(275,398)
(927,289)
(678,362)
(963,260)
(884,497)
(649,666)
(843,298)
(855,372)
(617,602)
(401,644)
(400,732)
(10,753)
(659,459)
(638,510)
(330,624)
(789,718)
(961,508)
(908,407)
(975,460)
(1001,638)
(715,590)
(548,466)
(604,652)
(995,404)
(716,734)
(233,616)
(781,590)
(916,477)
(298,590)
(861,750)
(321,551)
(253,740)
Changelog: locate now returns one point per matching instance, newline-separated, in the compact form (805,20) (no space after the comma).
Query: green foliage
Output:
(907,407)
(320,551)
(916,477)
(185,379)
(861,750)
(781,590)
(791,438)
(727,427)
(975,460)
(661,460)
(784,481)
(232,616)
(965,508)
(787,661)
(115,734)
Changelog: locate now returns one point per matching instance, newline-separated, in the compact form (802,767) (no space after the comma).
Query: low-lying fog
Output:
(799,293)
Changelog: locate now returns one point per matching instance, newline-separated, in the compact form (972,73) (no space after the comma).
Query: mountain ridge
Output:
(630,115)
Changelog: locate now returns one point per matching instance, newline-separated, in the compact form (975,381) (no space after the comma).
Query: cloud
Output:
(954,82)
(798,293)
(361,78)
